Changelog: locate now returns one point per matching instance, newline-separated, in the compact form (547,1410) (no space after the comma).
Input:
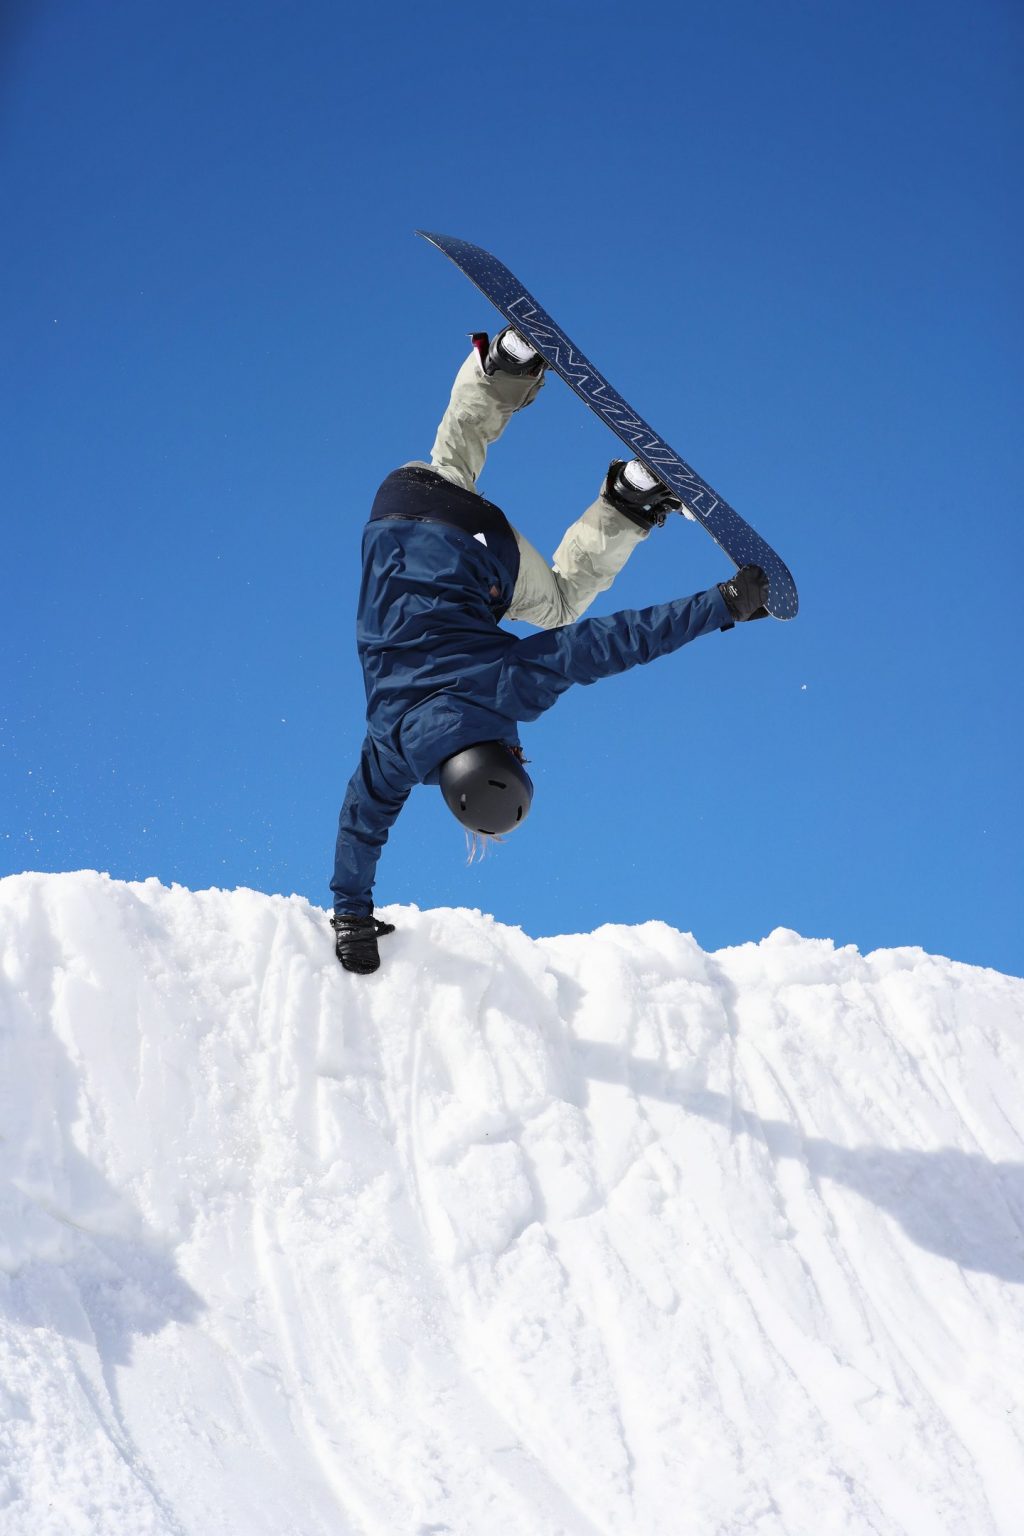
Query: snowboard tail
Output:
(730,531)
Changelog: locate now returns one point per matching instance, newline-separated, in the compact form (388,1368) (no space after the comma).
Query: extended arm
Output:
(371,806)
(543,666)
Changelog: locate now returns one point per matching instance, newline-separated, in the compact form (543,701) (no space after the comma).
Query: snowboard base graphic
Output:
(734,535)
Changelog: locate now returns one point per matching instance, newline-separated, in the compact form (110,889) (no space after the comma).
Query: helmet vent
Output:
(462,802)
(519,813)
(497,784)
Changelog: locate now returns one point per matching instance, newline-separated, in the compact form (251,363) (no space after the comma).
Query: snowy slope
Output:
(585,1235)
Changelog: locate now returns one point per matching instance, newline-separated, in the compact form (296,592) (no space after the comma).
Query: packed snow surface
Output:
(558,1237)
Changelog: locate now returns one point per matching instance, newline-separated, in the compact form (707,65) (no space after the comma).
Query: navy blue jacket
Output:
(439,570)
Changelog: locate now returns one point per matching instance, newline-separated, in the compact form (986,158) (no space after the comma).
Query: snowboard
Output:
(730,531)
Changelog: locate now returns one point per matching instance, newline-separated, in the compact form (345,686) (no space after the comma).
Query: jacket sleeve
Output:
(543,666)
(372,802)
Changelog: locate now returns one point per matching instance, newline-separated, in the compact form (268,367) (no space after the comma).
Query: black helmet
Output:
(487,788)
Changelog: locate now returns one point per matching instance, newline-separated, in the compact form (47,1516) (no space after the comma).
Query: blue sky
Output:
(791,236)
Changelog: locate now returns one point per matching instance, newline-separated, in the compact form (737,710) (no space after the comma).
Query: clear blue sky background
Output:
(790,233)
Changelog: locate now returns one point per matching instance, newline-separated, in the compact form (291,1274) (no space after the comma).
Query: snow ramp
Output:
(587,1236)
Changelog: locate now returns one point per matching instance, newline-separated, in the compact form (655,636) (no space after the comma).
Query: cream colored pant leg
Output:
(480,408)
(586,562)
(594,549)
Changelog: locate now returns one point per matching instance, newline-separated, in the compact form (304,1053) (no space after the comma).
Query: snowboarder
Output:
(446,687)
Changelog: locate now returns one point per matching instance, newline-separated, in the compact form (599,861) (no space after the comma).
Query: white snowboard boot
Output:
(507,353)
(639,495)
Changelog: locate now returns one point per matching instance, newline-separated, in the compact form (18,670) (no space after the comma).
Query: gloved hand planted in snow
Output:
(355,941)
(745,594)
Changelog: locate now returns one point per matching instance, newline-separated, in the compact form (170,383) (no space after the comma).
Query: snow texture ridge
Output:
(587,1236)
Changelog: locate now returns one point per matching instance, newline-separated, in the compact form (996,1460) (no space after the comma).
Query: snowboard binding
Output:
(507,353)
(639,495)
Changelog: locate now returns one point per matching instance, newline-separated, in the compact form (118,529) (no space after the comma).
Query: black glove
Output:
(355,941)
(745,594)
